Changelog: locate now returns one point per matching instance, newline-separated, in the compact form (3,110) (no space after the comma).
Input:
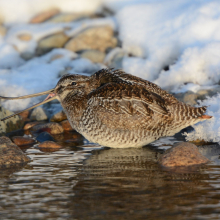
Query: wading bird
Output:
(116,109)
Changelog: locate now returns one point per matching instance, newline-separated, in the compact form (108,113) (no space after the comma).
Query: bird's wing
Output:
(127,99)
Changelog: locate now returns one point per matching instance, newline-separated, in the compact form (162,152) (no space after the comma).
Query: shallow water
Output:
(92,182)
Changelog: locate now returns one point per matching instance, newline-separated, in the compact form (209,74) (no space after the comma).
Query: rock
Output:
(31,124)
(66,125)
(188,97)
(11,155)
(10,124)
(27,55)
(60,116)
(55,57)
(76,137)
(49,144)
(43,16)
(52,128)
(182,154)
(67,17)
(19,140)
(3,30)
(5,140)
(38,114)
(94,38)
(24,37)
(44,136)
(52,41)
(95,56)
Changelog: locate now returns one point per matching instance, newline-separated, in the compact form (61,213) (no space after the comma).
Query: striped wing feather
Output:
(127,99)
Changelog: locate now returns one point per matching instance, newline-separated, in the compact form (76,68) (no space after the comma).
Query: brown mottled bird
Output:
(119,110)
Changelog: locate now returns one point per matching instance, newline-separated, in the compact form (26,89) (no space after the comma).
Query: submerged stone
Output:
(19,140)
(182,154)
(44,136)
(49,144)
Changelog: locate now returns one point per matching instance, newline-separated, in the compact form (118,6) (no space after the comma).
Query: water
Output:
(92,182)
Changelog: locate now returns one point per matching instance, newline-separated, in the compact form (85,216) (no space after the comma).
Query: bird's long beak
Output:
(49,98)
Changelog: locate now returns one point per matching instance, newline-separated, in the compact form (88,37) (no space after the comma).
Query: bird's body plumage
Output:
(116,109)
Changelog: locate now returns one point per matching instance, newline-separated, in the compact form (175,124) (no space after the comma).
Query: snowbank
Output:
(17,11)
(208,130)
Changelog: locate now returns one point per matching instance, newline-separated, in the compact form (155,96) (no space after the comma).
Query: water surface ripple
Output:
(101,183)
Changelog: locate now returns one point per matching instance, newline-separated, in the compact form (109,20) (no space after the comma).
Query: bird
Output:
(115,109)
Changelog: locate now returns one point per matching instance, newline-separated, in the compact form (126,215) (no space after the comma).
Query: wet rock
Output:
(38,114)
(95,56)
(52,41)
(10,124)
(24,37)
(31,124)
(66,125)
(52,128)
(182,154)
(11,155)
(43,16)
(95,38)
(67,17)
(59,116)
(44,136)
(3,30)
(19,140)
(5,140)
(49,144)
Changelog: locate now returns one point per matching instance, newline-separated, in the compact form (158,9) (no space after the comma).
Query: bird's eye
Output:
(73,83)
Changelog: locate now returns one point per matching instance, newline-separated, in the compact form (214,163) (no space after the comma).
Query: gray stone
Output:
(27,55)
(46,44)
(182,154)
(188,97)
(11,154)
(94,38)
(95,56)
(58,117)
(38,114)
(10,124)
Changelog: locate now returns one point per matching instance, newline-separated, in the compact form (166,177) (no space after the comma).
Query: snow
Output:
(208,130)
(183,35)
(18,11)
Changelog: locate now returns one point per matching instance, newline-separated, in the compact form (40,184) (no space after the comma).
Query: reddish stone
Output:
(182,154)
(66,125)
(52,128)
(30,125)
(49,144)
(18,140)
